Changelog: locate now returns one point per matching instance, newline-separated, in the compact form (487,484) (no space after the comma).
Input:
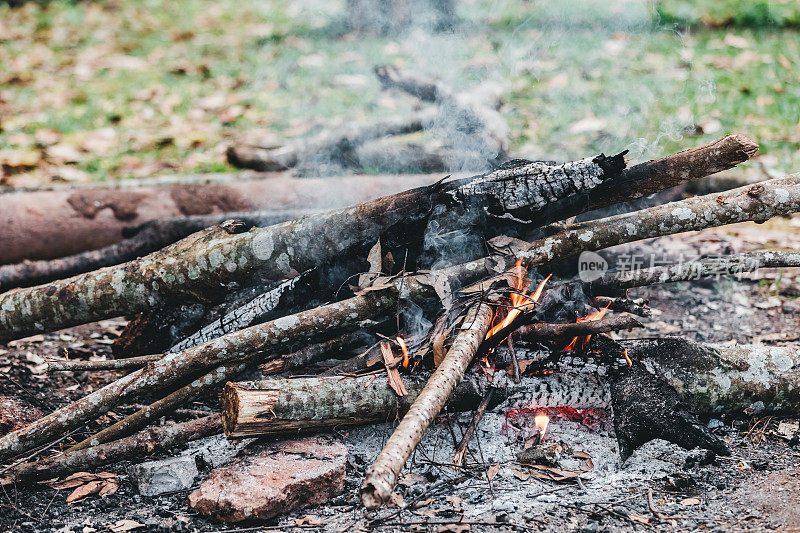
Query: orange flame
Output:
(627,359)
(519,301)
(591,317)
(403,347)
(541,422)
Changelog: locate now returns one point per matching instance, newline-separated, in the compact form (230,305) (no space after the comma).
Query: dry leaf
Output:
(109,487)
(391,369)
(85,490)
(454,528)
(690,501)
(124,525)
(375,263)
(78,478)
(455,501)
(639,518)
(424,503)
(522,473)
(492,471)
(397,500)
(307,520)
(581,455)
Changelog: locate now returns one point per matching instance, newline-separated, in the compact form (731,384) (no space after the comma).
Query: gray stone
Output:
(216,450)
(165,475)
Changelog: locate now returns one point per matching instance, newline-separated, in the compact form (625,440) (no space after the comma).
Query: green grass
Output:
(172,82)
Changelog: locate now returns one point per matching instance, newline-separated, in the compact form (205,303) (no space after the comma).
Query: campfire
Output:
(360,315)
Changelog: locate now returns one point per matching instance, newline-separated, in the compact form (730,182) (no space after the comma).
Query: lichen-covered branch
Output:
(147,237)
(736,265)
(382,476)
(108,364)
(151,441)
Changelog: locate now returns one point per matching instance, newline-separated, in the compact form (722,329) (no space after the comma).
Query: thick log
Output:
(280,406)
(62,222)
(382,476)
(719,379)
(141,240)
(152,441)
(208,260)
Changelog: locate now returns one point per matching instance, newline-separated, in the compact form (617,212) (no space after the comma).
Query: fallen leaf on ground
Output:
(124,525)
(639,518)
(522,473)
(454,528)
(455,501)
(492,471)
(691,501)
(307,520)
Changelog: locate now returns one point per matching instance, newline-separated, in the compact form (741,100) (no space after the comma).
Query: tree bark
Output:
(382,475)
(65,221)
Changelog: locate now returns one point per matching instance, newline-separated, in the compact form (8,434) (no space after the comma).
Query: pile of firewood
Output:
(401,277)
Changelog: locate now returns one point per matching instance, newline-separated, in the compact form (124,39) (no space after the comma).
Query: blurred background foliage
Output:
(121,89)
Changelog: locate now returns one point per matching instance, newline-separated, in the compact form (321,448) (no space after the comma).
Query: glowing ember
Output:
(627,359)
(519,300)
(541,422)
(403,347)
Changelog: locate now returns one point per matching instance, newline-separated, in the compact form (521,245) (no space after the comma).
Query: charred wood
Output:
(653,176)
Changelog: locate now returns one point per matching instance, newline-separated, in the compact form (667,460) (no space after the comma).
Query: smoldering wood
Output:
(139,240)
(635,306)
(779,197)
(233,347)
(206,261)
(382,476)
(242,316)
(151,441)
(336,146)
(90,217)
(545,331)
(647,178)
(646,407)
